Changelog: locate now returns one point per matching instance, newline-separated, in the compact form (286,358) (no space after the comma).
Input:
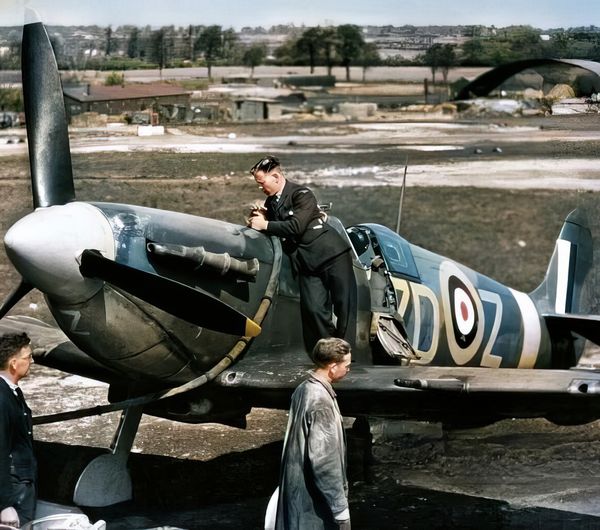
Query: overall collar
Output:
(326,384)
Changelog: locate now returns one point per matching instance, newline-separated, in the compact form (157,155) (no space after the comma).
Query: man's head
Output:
(15,355)
(268,175)
(332,357)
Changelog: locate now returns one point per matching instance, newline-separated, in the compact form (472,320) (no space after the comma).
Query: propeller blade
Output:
(47,133)
(173,297)
(21,290)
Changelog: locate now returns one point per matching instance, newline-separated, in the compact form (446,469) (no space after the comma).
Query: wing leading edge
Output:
(429,393)
(456,395)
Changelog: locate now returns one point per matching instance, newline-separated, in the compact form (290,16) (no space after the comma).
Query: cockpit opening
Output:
(371,241)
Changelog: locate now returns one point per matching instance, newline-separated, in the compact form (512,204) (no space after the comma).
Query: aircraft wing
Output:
(454,395)
(461,396)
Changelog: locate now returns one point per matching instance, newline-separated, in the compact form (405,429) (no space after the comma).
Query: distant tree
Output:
(108,36)
(330,43)
(499,52)
(159,48)
(525,42)
(310,44)
(231,50)
(12,59)
(512,43)
(58,45)
(190,39)
(254,56)
(349,47)
(594,53)
(286,53)
(368,58)
(11,99)
(133,43)
(433,58)
(473,52)
(145,38)
(210,43)
(560,44)
(313,46)
(170,33)
(447,60)
(14,43)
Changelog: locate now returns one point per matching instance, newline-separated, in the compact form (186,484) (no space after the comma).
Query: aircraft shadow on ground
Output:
(232,491)
(160,481)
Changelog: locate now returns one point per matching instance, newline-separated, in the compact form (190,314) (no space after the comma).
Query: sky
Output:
(543,14)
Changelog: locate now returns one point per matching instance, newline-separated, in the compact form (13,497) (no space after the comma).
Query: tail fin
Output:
(561,291)
(560,297)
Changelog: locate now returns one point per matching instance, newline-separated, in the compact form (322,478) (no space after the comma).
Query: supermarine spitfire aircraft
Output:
(206,313)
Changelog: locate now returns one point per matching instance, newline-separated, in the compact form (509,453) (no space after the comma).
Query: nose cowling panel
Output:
(45,246)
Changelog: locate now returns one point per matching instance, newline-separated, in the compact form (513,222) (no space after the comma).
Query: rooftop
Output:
(85,93)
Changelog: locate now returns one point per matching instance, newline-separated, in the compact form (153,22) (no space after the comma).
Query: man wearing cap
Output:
(318,252)
(18,467)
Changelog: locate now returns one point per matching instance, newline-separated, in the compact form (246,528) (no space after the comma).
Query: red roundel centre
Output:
(464,311)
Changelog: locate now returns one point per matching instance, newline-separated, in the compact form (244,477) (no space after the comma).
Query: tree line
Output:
(342,45)
(213,46)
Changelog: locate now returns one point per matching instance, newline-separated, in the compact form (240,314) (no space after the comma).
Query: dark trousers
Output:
(333,285)
(26,499)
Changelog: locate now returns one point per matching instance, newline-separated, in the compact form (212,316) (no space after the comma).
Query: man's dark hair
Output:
(10,344)
(330,350)
(266,164)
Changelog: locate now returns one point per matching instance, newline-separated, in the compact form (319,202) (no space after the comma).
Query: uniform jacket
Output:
(296,218)
(16,444)
(312,485)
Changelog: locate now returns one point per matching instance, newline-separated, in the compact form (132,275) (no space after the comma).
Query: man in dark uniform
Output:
(319,253)
(18,467)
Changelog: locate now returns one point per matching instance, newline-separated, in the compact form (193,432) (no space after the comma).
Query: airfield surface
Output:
(503,153)
(514,474)
(502,188)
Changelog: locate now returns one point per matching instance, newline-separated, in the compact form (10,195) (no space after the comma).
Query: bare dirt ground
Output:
(213,476)
(514,474)
(480,213)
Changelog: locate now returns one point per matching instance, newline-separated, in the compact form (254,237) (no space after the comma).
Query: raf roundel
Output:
(464,314)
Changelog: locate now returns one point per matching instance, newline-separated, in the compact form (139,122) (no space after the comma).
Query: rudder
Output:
(561,290)
(560,297)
